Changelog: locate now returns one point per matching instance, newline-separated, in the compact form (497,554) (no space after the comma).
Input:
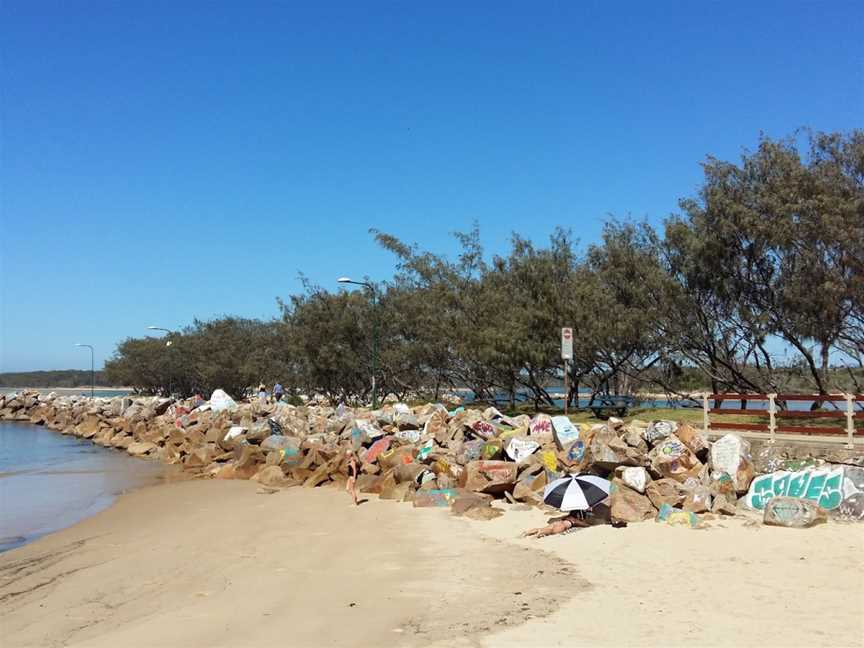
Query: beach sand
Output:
(213,563)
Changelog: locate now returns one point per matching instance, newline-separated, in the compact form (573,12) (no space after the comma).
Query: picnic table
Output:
(606,405)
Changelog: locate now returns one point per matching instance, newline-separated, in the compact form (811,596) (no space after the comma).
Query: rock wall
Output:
(461,459)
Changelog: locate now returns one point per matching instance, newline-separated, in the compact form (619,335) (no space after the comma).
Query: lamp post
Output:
(92,370)
(371,288)
(167,344)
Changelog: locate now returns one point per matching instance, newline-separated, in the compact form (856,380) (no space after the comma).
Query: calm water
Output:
(49,481)
(64,391)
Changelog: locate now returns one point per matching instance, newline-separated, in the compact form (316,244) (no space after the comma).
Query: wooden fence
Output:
(847,412)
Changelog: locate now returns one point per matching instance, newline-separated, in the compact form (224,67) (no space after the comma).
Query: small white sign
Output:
(566,343)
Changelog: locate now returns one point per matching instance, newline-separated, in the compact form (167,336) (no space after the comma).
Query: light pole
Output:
(92,370)
(167,344)
(371,288)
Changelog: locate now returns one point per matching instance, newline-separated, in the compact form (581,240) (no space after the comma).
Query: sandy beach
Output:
(215,563)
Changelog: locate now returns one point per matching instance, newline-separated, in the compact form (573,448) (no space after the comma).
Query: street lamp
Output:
(159,328)
(92,370)
(167,344)
(371,288)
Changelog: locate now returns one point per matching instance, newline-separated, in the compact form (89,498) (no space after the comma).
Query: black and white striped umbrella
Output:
(576,492)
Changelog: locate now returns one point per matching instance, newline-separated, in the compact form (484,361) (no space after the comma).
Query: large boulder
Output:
(608,450)
(540,429)
(666,491)
(793,512)
(670,458)
(694,440)
(566,432)
(659,430)
(635,477)
(730,455)
(491,477)
(140,448)
(629,506)
(519,449)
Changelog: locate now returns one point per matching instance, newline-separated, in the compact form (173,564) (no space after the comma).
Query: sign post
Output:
(566,356)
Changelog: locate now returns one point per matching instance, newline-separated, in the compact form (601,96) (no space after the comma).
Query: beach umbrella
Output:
(576,492)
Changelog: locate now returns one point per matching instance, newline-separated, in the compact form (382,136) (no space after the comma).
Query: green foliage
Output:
(65,378)
(231,353)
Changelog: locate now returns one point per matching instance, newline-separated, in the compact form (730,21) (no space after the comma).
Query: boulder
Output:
(731,455)
(659,430)
(724,504)
(635,477)
(694,440)
(670,458)
(464,501)
(793,512)
(199,457)
(629,506)
(633,437)
(271,476)
(674,517)
(161,406)
(435,497)
(697,500)
(609,451)
(566,432)
(666,491)
(540,429)
(279,442)
(519,449)
(530,487)
(491,477)
(140,448)
(392,490)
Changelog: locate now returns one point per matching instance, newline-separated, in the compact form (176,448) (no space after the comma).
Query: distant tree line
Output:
(757,285)
(66,378)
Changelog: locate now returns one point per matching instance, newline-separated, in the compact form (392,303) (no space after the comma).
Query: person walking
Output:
(278,392)
(353,472)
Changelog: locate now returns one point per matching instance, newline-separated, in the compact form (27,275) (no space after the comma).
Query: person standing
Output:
(278,392)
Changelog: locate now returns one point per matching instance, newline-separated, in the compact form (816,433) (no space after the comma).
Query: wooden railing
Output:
(772,428)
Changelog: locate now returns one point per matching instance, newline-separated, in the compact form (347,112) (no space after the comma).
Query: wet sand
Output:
(213,563)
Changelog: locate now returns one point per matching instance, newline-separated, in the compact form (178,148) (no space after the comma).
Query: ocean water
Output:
(49,481)
(65,391)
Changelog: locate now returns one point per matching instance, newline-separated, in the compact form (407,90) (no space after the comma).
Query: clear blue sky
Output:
(166,160)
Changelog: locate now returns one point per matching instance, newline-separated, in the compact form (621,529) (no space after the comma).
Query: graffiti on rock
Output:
(825,487)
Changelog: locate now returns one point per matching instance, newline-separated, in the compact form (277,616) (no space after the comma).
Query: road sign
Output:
(566,343)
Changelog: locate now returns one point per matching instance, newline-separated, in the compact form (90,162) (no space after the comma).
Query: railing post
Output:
(706,421)
(772,420)
(850,424)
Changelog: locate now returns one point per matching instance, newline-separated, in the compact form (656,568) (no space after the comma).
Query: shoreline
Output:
(50,481)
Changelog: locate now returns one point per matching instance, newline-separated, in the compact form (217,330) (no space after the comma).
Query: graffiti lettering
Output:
(825,487)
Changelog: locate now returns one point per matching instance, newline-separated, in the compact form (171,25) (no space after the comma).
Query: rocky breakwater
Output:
(462,459)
